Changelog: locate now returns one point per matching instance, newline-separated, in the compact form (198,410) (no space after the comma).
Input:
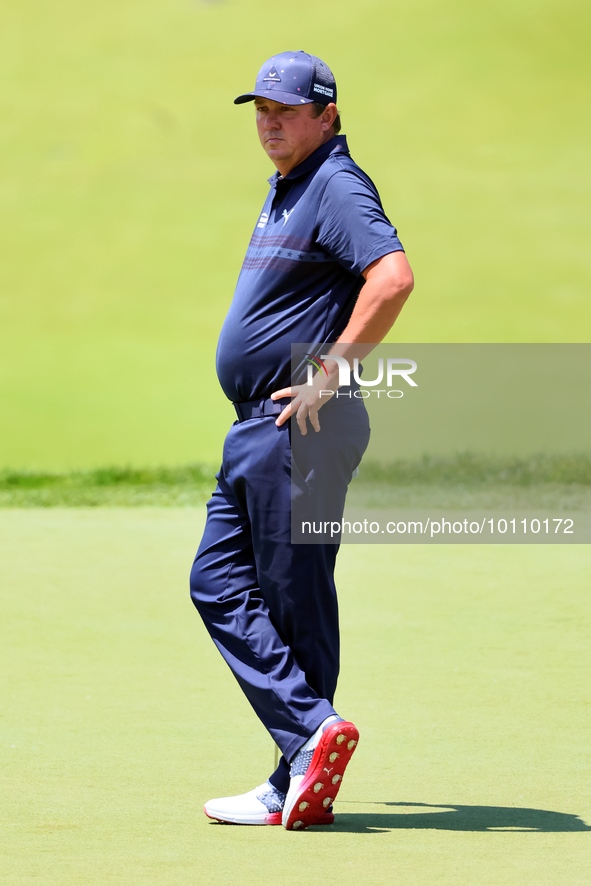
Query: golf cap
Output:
(293,78)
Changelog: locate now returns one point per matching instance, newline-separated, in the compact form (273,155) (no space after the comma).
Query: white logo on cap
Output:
(273,75)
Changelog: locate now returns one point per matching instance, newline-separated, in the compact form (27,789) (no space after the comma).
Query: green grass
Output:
(190,485)
(562,478)
(130,186)
(131,183)
(474,468)
(471,481)
(466,670)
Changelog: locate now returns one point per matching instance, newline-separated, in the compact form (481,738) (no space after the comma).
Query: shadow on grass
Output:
(450,817)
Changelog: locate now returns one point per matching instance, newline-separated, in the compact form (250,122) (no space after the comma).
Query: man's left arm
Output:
(388,283)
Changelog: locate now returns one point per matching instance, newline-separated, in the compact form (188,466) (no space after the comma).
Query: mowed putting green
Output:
(466,670)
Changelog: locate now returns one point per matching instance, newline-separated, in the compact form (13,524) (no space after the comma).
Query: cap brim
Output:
(285,98)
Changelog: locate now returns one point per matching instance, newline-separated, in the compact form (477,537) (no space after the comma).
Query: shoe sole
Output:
(323,777)
(271,818)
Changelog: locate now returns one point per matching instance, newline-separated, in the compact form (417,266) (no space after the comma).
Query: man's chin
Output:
(276,153)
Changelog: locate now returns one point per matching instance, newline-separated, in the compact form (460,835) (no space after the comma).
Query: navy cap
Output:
(293,78)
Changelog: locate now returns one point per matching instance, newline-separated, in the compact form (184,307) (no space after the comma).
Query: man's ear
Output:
(329,116)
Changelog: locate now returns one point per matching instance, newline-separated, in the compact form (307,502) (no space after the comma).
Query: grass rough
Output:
(465,479)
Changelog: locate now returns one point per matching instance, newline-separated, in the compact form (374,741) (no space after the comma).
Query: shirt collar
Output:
(335,145)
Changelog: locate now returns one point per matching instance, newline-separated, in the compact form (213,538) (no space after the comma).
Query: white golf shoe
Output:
(262,805)
(317,772)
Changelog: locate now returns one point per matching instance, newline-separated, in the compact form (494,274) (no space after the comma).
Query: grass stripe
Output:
(191,485)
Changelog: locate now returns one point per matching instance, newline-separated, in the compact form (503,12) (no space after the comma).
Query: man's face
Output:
(289,133)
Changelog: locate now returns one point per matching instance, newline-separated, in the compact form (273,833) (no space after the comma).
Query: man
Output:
(324,265)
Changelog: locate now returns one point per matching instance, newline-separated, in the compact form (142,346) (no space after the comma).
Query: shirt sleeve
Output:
(352,226)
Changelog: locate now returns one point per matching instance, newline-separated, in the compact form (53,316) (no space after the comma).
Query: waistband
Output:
(260,408)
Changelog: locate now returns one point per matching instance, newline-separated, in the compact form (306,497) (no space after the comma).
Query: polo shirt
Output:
(321,225)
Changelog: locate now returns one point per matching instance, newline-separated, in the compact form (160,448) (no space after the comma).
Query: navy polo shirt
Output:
(321,226)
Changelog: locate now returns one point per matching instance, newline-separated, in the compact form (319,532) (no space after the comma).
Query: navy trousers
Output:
(270,606)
